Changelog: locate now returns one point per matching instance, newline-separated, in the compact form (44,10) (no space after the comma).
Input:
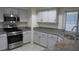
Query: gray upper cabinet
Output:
(1,14)
(49,16)
(9,10)
(23,15)
(52,16)
(39,17)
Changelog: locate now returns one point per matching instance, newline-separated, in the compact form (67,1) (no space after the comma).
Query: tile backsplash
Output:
(22,24)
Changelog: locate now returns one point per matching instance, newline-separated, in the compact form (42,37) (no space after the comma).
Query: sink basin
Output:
(69,36)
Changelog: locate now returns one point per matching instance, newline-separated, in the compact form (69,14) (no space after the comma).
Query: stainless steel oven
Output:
(15,39)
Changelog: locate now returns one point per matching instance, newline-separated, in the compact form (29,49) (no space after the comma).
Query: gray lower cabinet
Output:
(43,39)
(46,40)
(36,37)
(26,36)
(40,38)
(76,45)
(3,42)
(52,39)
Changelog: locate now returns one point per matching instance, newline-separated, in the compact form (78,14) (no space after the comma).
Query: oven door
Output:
(15,38)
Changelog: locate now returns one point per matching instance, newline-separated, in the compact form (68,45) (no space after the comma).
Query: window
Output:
(71,20)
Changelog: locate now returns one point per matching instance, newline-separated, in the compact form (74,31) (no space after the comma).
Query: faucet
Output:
(76,37)
(73,28)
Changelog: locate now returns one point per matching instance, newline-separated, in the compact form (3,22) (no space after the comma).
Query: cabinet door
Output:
(23,15)
(48,16)
(11,10)
(39,17)
(43,39)
(26,36)
(1,14)
(29,36)
(45,16)
(7,10)
(16,11)
(52,16)
(36,37)
(52,39)
(3,42)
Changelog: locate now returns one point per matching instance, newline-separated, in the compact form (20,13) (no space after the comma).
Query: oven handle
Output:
(16,33)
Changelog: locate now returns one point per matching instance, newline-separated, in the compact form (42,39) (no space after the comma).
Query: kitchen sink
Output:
(71,36)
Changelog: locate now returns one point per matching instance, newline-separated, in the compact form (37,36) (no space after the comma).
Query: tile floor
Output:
(29,47)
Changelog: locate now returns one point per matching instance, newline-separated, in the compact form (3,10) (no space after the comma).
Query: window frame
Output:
(66,16)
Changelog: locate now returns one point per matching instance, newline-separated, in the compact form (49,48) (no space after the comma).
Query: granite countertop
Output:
(49,30)
(2,31)
(60,32)
(25,28)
